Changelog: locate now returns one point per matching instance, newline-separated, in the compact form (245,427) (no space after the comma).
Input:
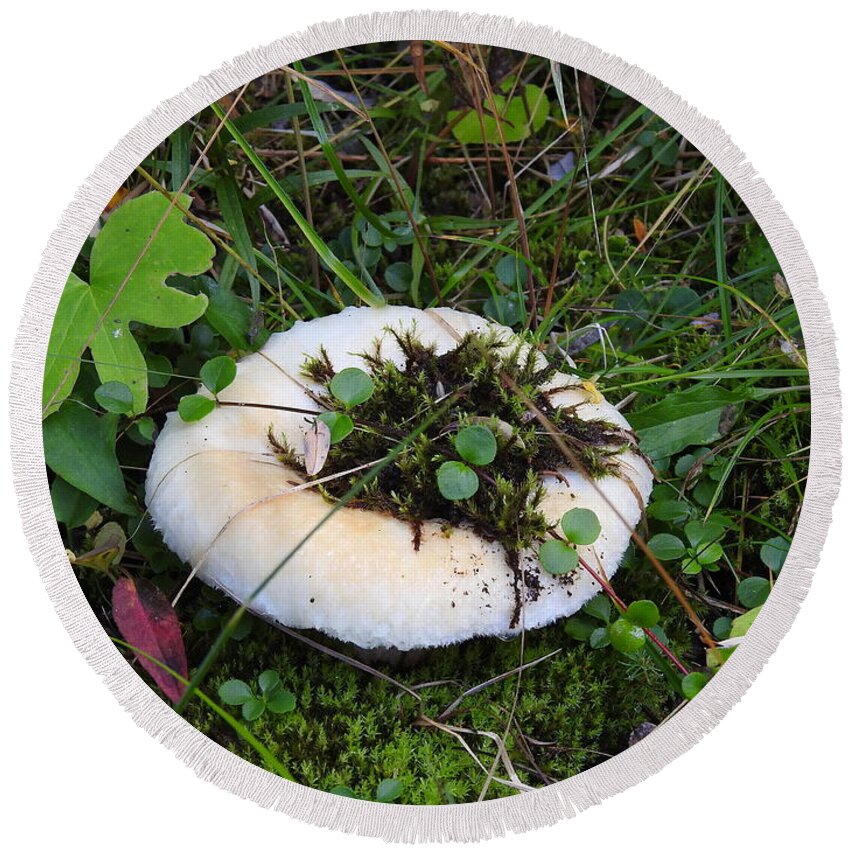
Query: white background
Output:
(76,77)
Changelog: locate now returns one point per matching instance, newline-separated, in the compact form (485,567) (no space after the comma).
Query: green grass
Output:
(640,262)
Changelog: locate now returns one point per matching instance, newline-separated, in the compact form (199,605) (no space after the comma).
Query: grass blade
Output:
(319,244)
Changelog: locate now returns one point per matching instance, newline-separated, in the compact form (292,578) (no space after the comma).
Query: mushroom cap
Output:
(226,505)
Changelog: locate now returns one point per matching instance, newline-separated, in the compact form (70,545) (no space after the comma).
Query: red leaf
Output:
(147,621)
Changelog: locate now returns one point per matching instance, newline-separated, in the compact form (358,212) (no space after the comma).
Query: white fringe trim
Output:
(466,822)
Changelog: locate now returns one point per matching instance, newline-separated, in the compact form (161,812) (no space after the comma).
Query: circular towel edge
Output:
(401,823)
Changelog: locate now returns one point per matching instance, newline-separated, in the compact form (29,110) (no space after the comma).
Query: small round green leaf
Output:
(160,370)
(702,533)
(599,638)
(557,558)
(218,373)
(268,680)
(646,138)
(753,591)
(625,636)
(252,709)
(511,270)
(669,510)
(684,465)
(722,627)
(579,627)
(339,424)
(373,237)
(146,428)
(352,386)
(399,276)
(666,547)
(691,566)
(580,526)
(773,553)
(456,481)
(235,692)
(693,683)
(476,445)
(506,309)
(666,152)
(389,790)
(643,613)
(194,407)
(114,397)
(281,701)
(342,791)
(741,625)
(598,606)
(710,554)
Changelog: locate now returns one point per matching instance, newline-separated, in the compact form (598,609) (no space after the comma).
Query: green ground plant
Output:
(489,181)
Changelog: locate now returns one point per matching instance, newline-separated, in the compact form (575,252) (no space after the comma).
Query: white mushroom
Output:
(228,506)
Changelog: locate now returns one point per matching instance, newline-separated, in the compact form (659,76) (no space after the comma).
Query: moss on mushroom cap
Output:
(226,504)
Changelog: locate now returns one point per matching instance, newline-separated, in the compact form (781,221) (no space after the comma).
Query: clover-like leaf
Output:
(557,558)
(280,701)
(581,526)
(342,791)
(235,692)
(666,547)
(268,680)
(643,612)
(625,636)
(252,708)
(693,683)
(752,592)
(339,424)
(599,638)
(456,481)
(773,553)
(352,386)
(598,606)
(476,445)
(700,534)
(399,276)
(194,407)
(114,397)
(518,116)
(389,790)
(218,374)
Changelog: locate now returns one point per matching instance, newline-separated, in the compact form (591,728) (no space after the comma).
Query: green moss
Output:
(350,728)
(473,374)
